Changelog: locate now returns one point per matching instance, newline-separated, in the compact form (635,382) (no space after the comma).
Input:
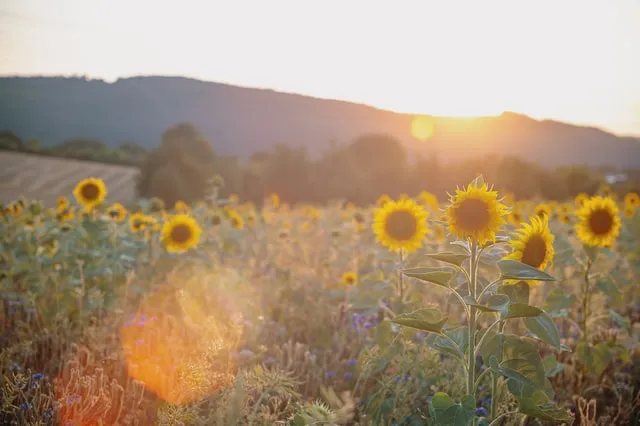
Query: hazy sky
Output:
(573,60)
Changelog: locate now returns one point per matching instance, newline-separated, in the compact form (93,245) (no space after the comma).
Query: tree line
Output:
(185,164)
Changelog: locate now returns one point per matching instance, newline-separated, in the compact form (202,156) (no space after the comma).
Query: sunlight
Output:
(179,347)
(422,127)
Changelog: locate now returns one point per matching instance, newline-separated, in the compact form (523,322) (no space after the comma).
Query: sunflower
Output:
(632,199)
(181,207)
(180,233)
(476,213)
(349,278)
(251,219)
(66,215)
(598,222)
(429,200)
(565,218)
(117,212)
(137,222)
(306,227)
(215,219)
(382,200)
(401,225)
(565,208)
(441,233)
(62,203)
(580,199)
(15,208)
(90,192)
(515,217)
(234,198)
(533,245)
(605,190)
(275,200)
(542,210)
(236,220)
(629,211)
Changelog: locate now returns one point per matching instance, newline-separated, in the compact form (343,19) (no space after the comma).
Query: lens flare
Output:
(179,347)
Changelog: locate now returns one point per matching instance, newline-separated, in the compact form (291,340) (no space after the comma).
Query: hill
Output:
(240,121)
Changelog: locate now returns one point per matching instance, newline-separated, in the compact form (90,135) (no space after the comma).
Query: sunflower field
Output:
(480,309)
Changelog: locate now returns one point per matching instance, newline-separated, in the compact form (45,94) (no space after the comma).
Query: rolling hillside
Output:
(240,121)
(46,178)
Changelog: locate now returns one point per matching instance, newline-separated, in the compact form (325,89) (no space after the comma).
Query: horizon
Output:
(594,88)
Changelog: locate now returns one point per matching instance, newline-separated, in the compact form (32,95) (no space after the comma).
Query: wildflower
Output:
(90,192)
(481,412)
(476,213)
(598,222)
(352,362)
(38,376)
(349,278)
(401,225)
(180,233)
(533,245)
(330,374)
(348,375)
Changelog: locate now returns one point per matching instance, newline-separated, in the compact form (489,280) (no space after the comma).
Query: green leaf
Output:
(450,257)
(543,326)
(592,253)
(459,335)
(610,289)
(513,270)
(551,365)
(425,319)
(510,373)
(494,303)
(384,334)
(518,293)
(584,353)
(602,356)
(619,320)
(520,310)
(541,407)
(559,302)
(518,355)
(431,275)
(446,412)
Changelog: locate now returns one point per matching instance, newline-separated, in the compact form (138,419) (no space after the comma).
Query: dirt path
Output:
(46,178)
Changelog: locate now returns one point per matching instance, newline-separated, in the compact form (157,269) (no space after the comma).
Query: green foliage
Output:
(180,168)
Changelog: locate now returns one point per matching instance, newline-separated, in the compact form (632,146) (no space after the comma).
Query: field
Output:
(45,178)
(414,311)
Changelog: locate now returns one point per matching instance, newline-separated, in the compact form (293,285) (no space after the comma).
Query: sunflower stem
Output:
(401,276)
(472,322)
(585,303)
(494,377)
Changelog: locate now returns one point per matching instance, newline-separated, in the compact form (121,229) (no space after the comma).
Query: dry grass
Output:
(46,178)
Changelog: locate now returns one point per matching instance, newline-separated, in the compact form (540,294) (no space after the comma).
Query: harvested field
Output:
(45,178)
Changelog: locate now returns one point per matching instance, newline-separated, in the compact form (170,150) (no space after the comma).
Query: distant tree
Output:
(10,141)
(179,168)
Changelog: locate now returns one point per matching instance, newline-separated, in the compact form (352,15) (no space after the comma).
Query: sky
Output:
(571,60)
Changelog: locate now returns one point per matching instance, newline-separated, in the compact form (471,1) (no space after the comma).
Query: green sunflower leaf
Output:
(514,270)
(425,319)
(430,275)
(449,257)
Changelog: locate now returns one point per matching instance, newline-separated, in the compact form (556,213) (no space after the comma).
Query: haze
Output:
(575,61)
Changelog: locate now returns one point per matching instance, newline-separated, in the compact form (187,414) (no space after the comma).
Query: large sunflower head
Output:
(598,222)
(476,213)
(180,233)
(401,225)
(117,212)
(533,244)
(90,192)
(632,199)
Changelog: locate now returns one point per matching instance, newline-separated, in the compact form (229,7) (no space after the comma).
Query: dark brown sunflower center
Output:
(235,222)
(401,225)
(215,220)
(180,233)
(535,251)
(350,279)
(472,215)
(600,222)
(114,213)
(541,213)
(90,191)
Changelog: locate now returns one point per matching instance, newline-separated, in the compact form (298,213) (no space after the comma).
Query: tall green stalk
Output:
(472,321)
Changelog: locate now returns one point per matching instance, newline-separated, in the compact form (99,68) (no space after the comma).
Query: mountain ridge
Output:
(242,120)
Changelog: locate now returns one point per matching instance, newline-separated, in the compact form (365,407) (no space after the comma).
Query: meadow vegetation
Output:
(483,308)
